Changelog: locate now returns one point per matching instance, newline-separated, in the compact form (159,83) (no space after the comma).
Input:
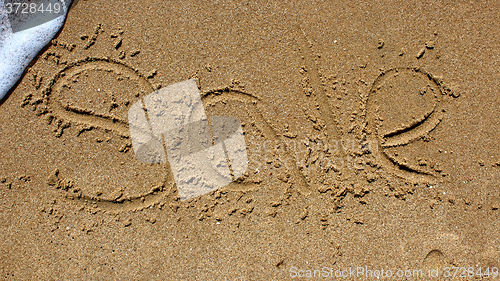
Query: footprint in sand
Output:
(434,264)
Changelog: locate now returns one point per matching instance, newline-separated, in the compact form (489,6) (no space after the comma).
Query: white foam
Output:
(18,49)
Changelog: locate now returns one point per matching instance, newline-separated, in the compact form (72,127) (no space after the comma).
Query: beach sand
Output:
(372,132)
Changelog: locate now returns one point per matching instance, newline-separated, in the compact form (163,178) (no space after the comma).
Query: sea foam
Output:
(19,48)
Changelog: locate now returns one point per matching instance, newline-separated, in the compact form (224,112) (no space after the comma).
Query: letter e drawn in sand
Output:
(390,91)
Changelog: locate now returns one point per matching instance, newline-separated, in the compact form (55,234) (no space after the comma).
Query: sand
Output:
(372,133)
